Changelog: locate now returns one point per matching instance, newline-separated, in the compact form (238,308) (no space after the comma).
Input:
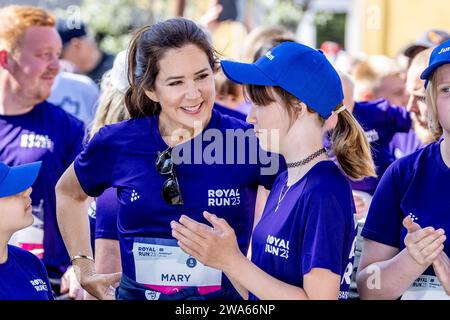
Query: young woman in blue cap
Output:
(175,155)
(405,251)
(302,248)
(22,275)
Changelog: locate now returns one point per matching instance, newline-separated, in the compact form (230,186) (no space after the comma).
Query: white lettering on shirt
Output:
(32,140)
(39,285)
(372,135)
(277,246)
(223,197)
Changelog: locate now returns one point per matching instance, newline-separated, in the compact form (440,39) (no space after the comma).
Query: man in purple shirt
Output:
(32,129)
(404,144)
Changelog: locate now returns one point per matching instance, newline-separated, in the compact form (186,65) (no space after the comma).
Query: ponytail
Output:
(351,147)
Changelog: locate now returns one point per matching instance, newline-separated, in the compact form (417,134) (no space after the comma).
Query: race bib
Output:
(161,265)
(32,238)
(425,288)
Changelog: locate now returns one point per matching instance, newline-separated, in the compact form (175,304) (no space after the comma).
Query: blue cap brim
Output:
(428,72)
(245,73)
(19,179)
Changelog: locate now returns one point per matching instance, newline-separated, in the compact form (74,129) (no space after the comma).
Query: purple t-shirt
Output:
(123,156)
(417,185)
(104,222)
(403,144)
(107,207)
(51,135)
(230,112)
(313,227)
(380,121)
(23,277)
(102,214)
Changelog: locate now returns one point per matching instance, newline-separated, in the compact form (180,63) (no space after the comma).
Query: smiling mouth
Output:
(193,109)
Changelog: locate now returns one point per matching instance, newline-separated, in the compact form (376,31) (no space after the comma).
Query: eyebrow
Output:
(181,77)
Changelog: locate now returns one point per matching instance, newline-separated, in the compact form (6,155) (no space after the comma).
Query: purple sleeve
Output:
(107,210)
(44,276)
(94,166)
(384,220)
(325,234)
(398,119)
(75,145)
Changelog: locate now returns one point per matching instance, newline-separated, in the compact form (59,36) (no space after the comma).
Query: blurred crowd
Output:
(58,89)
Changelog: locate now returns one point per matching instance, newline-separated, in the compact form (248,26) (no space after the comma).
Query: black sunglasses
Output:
(171,189)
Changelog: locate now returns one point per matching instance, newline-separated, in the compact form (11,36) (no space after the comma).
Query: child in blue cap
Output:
(22,275)
(405,229)
(303,246)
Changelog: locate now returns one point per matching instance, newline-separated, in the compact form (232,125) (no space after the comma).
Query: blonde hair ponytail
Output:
(351,147)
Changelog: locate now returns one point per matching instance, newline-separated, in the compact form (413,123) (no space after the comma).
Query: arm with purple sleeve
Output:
(76,134)
(382,251)
(94,166)
(398,119)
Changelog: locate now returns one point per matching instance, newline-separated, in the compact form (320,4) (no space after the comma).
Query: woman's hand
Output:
(101,286)
(70,285)
(215,246)
(424,245)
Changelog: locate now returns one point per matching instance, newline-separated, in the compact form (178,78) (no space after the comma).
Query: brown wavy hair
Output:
(147,48)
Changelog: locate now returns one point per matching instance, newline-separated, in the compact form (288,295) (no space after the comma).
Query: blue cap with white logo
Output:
(302,71)
(14,180)
(439,57)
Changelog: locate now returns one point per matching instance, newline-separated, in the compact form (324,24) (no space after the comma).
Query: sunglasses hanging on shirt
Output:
(171,189)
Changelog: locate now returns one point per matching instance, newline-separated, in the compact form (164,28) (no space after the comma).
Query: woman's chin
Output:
(264,146)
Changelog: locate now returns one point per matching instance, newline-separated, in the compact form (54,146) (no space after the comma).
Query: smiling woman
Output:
(170,100)
(172,78)
(184,89)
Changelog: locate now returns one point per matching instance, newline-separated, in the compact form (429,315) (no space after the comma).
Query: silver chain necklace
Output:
(282,195)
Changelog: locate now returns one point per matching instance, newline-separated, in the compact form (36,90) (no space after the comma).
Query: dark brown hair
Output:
(147,48)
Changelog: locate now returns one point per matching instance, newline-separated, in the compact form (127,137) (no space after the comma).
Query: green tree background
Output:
(113,21)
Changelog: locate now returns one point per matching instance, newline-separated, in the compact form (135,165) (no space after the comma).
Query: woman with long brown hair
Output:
(175,155)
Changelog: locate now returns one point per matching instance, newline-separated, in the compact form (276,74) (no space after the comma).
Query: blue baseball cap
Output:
(14,180)
(439,57)
(68,30)
(302,71)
